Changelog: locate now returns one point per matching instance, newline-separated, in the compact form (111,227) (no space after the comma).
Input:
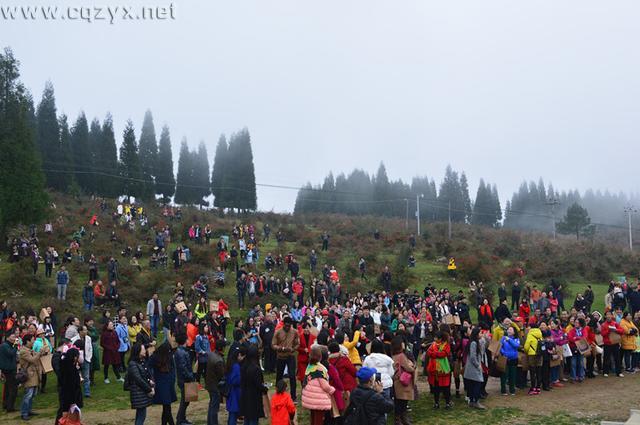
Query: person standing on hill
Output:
(8,366)
(386,279)
(30,363)
(184,373)
(214,374)
(285,343)
(154,310)
(62,280)
(515,295)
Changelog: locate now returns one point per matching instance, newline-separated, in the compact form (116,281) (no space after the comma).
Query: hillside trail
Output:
(606,398)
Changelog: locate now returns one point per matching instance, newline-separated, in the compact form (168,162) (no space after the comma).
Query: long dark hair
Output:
(232,358)
(135,352)
(164,357)
(474,337)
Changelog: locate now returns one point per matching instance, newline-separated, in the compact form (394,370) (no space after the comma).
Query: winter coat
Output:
(235,391)
(352,346)
(628,339)
(123,337)
(383,364)
(184,370)
(346,370)
(473,367)
(165,382)
(282,408)
(252,388)
(509,347)
(605,331)
(30,362)
(8,357)
(316,395)
(376,405)
(401,362)
(303,353)
(336,382)
(110,344)
(138,378)
(438,351)
(531,343)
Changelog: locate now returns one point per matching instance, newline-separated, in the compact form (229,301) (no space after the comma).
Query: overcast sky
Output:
(503,90)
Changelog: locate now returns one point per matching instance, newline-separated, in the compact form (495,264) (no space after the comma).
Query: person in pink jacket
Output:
(317,393)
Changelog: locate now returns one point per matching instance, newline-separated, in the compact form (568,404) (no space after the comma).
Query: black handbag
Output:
(21,376)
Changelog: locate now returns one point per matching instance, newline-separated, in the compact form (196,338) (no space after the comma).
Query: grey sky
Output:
(503,90)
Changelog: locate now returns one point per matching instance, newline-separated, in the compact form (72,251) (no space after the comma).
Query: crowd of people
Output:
(346,358)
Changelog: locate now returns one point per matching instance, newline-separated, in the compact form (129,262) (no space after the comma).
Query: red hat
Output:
(325,312)
(519,319)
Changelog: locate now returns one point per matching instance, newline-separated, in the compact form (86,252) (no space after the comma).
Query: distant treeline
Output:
(534,207)
(41,149)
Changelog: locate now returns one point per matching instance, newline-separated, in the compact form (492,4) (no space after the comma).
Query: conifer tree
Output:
(22,195)
(218,173)
(165,181)
(48,139)
(107,162)
(148,153)
(130,170)
(201,183)
(81,153)
(185,172)
(64,179)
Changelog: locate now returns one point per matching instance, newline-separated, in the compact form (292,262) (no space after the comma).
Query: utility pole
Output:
(449,220)
(418,212)
(553,202)
(630,210)
(406,220)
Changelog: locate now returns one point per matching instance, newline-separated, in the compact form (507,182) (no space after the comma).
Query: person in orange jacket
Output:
(282,407)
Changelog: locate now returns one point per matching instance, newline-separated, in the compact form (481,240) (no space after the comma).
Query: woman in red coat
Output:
(110,356)
(439,369)
(306,341)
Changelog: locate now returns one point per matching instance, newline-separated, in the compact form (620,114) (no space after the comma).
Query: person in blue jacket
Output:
(232,377)
(509,348)
(164,375)
(122,330)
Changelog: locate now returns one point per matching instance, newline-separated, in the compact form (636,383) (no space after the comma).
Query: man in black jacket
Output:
(502,311)
(515,295)
(184,373)
(213,376)
(267,329)
(368,400)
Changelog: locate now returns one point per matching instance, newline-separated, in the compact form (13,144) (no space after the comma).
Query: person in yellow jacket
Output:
(534,336)
(500,329)
(134,329)
(352,348)
(628,341)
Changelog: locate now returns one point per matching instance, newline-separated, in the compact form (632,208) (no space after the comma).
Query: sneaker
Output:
(478,406)
(537,390)
(512,394)
(606,375)
(558,384)
(121,379)
(620,375)
(436,405)
(25,418)
(504,393)
(106,381)
(532,391)
(449,406)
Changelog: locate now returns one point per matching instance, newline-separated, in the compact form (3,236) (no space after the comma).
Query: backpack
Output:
(357,415)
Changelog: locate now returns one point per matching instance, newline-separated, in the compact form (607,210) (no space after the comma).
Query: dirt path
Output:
(606,398)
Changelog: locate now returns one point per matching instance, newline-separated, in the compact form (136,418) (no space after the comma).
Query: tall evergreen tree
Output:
(22,195)
(95,142)
(464,197)
(381,189)
(218,173)
(240,181)
(201,182)
(64,179)
(48,139)
(165,181)
(130,170)
(184,194)
(497,209)
(107,162)
(148,152)
(81,153)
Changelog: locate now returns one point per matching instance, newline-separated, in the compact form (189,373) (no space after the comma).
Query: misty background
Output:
(502,91)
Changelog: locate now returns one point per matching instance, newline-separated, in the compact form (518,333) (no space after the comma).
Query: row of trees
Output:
(360,194)
(83,156)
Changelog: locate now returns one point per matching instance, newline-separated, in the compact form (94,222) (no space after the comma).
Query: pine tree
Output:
(22,182)
(201,183)
(107,162)
(64,179)
(165,181)
(185,171)
(497,210)
(240,181)
(95,141)
(464,197)
(148,153)
(218,173)
(482,206)
(130,170)
(576,221)
(48,139)
(381,189)
(81,153)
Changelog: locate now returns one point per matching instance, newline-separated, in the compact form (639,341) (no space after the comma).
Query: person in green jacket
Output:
(95,344)
(8,368)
